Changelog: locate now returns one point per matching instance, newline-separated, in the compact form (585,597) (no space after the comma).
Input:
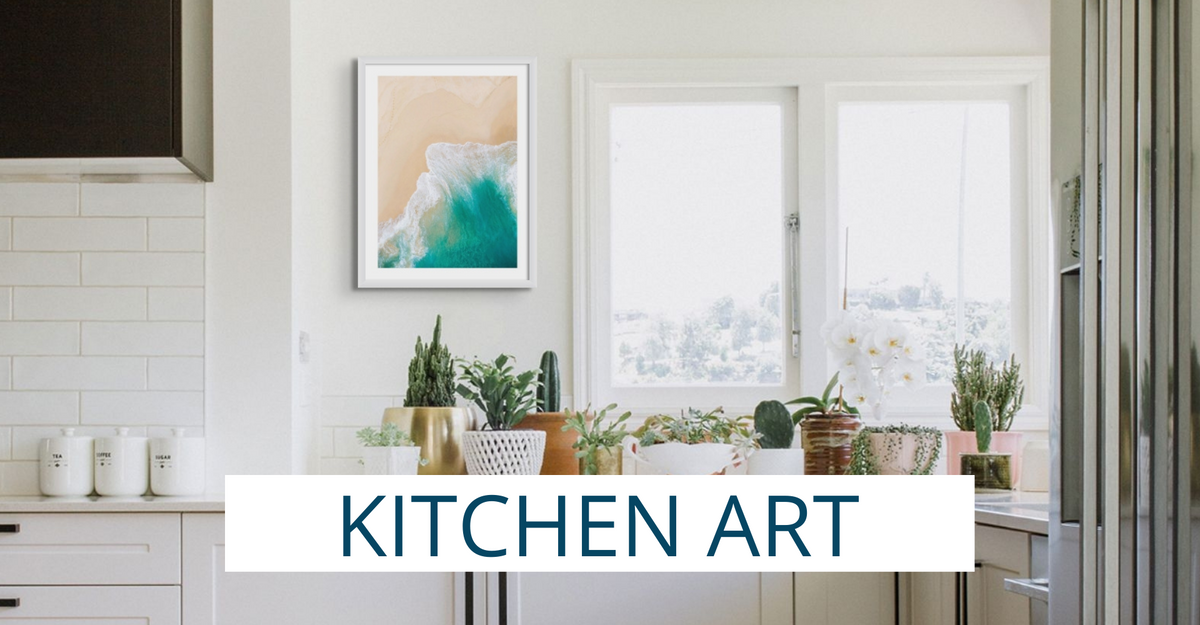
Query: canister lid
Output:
(122,431)
(178,432)
(68,431)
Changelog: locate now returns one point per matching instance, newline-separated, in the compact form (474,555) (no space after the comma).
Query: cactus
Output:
(983,426)
(977,379)
(549,397)
(431,374)
(774,423)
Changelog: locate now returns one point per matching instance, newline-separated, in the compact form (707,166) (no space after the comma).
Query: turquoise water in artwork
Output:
(462,214)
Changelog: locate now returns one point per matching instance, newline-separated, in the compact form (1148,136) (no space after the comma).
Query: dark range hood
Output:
(92,87)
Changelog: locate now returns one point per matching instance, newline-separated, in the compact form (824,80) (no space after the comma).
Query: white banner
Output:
(551,523)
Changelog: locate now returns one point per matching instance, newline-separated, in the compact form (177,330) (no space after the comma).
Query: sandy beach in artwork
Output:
(416,112)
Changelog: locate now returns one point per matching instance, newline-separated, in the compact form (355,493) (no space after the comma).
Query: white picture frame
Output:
(372,252)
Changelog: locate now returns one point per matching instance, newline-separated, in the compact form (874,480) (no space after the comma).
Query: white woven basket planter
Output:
(504,452)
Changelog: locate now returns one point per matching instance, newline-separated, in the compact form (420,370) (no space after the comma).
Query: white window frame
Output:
(817,82)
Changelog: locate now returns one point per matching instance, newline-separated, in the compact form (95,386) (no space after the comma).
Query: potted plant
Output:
(992,470)
(598,444)
(505,398)
(775,455)
(976,379)
(389,451)
(695,443)
(827,429)
(560,441)
(872,356)
(895,450)
(429,413)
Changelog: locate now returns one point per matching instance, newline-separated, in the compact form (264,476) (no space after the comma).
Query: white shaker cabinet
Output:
(70,605)
(213,597)
(979,597)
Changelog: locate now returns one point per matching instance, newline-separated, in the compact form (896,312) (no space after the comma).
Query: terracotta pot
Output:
(826,440)
(560,456)
(438,432)
(958,443)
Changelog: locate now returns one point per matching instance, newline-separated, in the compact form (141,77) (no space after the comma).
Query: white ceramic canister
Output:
(177,465)
(65,465)
(122,465)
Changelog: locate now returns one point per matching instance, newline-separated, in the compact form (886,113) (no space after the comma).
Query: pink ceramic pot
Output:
(958,442)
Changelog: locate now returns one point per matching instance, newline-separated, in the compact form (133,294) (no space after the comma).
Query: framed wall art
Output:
(445,173)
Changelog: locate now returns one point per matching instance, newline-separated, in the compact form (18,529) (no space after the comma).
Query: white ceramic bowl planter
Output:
(776,462)
(684,459)
(391,460)
(504,452)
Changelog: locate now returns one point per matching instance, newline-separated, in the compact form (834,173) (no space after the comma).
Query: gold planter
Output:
(609,461)
(439,432)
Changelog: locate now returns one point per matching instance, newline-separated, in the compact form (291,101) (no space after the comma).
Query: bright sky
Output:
(696,204)
(898,192)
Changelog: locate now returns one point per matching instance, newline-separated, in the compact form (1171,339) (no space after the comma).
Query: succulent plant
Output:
(596,435)
(772,420)
(983,426)
(390,435)
(549,395)
(976,379)
(504,397)
(431,374)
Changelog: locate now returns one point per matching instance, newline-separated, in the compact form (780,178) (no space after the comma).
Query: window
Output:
(927,193)
(695,187)
(688,278)
(694,300)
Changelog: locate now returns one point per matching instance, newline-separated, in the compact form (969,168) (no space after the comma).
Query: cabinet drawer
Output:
(119,605)
(68,548)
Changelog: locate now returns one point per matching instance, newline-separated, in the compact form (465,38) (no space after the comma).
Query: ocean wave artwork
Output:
(461,215)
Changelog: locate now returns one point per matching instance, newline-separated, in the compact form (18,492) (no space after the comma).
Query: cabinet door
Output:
(211,596)
(1000,553)
(932,598)
(54,549)
(654,598)
(111,605)
(836,598)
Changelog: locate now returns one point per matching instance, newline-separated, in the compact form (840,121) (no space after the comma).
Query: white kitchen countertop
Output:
(1026,512)
(1021,511)
(202,503)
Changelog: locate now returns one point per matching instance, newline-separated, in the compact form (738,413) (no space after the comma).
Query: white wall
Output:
(365,337)
(250,422)
(101,314)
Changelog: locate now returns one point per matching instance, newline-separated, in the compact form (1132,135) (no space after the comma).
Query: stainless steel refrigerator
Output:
(1125,480)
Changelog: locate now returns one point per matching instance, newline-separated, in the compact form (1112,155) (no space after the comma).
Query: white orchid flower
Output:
(912,374)
(891,337)
(913,351)
(835,320)
(846,337)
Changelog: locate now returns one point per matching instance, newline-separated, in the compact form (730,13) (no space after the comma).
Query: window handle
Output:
(793,226)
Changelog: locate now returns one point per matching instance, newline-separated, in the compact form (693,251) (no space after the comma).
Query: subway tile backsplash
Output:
(101,314)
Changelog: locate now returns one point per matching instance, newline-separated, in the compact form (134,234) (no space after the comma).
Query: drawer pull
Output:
(10,603)
(10,528)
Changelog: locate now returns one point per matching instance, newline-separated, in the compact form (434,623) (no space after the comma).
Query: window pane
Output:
(697,244)
(925,192)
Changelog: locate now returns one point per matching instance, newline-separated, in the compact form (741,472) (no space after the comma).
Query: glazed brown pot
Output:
(827,439)
(560,456)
